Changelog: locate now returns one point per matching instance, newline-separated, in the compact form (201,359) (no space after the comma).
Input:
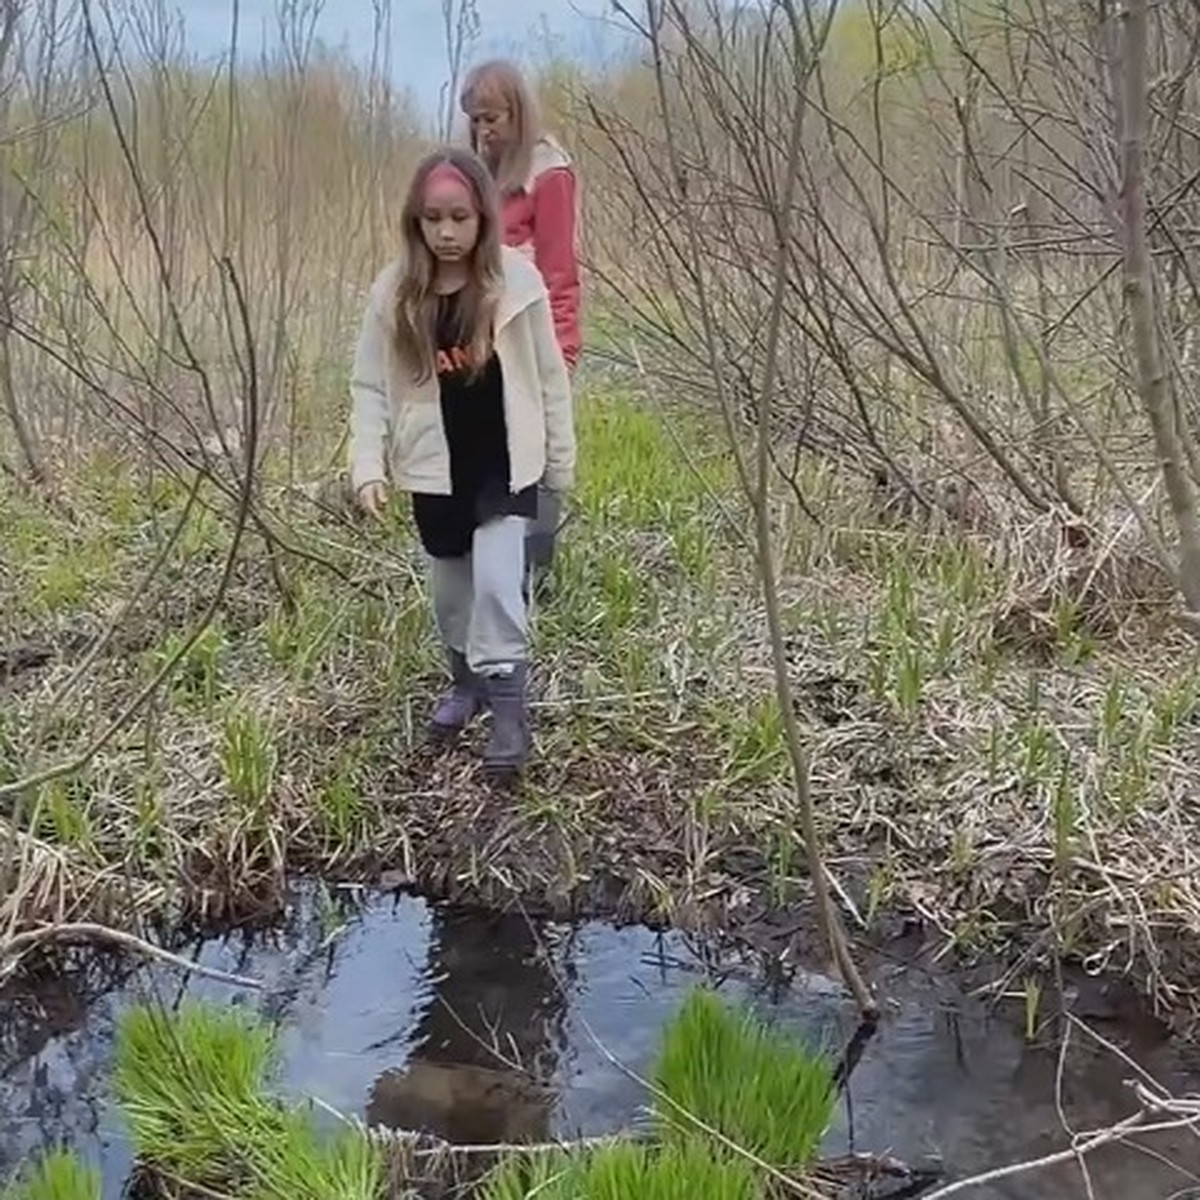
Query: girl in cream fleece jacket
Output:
(461,397)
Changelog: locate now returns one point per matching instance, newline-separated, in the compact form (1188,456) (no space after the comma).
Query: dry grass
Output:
(1022,797)
(1002,717)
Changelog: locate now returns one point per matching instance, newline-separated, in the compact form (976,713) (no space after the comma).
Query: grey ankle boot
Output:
(460,704)
(508,745)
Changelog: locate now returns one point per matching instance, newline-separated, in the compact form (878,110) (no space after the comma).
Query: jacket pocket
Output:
(419,446)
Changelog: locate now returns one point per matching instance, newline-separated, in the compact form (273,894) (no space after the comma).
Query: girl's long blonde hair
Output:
(416,303)
(502,83)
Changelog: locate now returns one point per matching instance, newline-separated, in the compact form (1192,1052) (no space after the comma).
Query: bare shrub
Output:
(954,323)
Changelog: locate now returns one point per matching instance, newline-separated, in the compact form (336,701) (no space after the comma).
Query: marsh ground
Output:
(1010,774)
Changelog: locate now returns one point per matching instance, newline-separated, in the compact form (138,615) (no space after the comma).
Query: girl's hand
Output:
(373,498)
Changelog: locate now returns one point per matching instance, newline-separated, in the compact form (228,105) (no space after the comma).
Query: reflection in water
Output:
(947,1081)
(45,1063)
(395,1003)
(486,1047)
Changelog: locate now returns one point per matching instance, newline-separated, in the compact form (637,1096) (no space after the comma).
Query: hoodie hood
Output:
(548,155)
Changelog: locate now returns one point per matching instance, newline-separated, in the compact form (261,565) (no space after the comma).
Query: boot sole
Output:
(502,778)
(504,774)
(446,735)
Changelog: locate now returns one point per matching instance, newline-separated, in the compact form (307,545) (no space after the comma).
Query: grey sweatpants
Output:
(478,600)
(542,533)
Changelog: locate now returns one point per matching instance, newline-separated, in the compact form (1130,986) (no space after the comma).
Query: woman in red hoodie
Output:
(539,209)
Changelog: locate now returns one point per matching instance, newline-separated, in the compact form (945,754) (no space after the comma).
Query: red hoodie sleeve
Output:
(554,253)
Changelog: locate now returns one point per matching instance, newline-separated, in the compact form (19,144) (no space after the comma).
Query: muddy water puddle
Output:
(482,1028)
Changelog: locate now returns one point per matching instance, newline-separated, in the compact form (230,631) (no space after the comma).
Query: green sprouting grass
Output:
(63,563)
(63,576)
(301,638)
(637,577)
(58,1175)
(757,748)
(192,1086)
(343,816)
(688,1171)
(633,473)
(750,1083)
(63,812)
(651,677)
(248,758)
(293,1163)
(197,675)
(720,1072)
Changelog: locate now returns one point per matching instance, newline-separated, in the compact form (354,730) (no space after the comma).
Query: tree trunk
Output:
(1139,295)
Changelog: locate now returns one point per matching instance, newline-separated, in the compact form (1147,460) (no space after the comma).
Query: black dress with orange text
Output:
(477,435)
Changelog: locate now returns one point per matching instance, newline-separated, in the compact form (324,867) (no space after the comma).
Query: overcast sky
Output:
(525,29)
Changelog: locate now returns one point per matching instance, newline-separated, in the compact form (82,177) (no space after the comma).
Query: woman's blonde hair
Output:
(500,82)
(415,312)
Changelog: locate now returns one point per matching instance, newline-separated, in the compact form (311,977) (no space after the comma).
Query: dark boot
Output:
(460,704)
(508,745)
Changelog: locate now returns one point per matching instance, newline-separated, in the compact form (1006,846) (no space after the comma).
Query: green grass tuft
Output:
(294,1164)
(197,674)
(750,1083)
(192,1086)
(248,758)
(59,1175)
(682,1171)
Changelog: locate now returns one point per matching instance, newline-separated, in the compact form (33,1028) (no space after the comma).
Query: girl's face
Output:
(449,217)
(491,123)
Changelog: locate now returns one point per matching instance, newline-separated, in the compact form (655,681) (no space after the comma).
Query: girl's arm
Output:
(369,403)
(554,208)
(556,400)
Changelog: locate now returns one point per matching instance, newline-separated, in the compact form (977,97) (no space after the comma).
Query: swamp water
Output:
(414,1015)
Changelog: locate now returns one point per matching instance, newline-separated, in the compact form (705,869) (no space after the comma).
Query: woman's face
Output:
(491,123)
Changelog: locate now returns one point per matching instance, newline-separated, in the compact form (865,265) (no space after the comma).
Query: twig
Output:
(538,1148)
(436,1147)
(21,943)
(1159,1092)
(1117,1133)
(188,1186)
(432,1147)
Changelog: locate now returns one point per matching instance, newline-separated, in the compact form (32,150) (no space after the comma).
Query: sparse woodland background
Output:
(916,288)
(954,331)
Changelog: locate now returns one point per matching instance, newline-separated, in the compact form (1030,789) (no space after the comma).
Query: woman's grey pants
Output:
(479,601)
(543,533)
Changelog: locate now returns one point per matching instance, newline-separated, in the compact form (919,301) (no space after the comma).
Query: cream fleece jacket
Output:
(396,422)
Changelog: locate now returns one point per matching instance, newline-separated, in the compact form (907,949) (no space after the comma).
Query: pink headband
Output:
(448,173)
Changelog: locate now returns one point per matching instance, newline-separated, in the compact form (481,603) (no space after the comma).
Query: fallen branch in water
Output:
(428,1145)
(538,1148)
(1184,1114)
(424,1147)
(22,943)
